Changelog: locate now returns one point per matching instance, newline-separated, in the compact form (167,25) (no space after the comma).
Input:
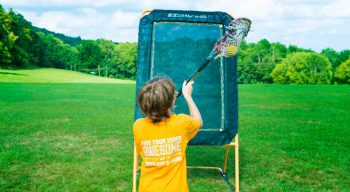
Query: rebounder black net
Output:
(174,44)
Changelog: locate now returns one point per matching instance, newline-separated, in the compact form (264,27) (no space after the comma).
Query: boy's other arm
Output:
(187,93)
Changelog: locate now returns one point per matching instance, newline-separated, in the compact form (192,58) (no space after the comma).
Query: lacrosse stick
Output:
(226,46)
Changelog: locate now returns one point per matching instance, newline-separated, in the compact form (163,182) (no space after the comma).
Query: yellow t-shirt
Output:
(162,147)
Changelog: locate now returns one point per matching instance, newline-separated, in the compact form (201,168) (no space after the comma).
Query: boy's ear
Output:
(173,105)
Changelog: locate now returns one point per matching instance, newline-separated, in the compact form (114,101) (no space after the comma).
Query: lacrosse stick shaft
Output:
(196,73)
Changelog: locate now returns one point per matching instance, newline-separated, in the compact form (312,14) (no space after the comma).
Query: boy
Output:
(161,138)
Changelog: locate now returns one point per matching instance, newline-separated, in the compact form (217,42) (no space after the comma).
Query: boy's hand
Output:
(187,89)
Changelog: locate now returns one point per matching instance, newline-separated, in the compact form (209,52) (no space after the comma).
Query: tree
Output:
(332,56)
(21,51)
(303,68)
(342,73)
(279,52)
(261,50)
(246,65)
(109,55)
(90,54)
(57,53)
(264,61)
(72,57)
(344,55)
(255,62)
(7,38)
(126,60)
(294,49)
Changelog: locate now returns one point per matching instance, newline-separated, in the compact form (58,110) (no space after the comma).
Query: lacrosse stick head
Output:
(228,45)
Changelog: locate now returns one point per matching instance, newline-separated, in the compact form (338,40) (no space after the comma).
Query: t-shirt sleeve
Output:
(192,126)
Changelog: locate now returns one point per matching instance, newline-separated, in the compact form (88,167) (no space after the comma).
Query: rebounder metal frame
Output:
(222,171)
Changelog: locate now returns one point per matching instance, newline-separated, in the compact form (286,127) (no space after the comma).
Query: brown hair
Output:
(156,97)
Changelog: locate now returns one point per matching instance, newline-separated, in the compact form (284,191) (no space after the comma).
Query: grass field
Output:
(49,75)
(69,136)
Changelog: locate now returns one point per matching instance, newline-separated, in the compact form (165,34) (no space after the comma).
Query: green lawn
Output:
(69,136)
(50,75)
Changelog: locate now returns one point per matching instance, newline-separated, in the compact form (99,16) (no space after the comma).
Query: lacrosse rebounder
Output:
(173,44)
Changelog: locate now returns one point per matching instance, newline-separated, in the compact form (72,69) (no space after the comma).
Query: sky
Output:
(314,24)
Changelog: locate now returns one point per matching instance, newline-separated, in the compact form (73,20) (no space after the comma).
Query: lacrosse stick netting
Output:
(228,45)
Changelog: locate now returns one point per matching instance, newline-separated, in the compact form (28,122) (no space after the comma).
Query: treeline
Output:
(23,46)
(265,62)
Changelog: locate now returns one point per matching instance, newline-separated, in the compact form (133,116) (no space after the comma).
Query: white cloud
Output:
(289,21)
(88,23)
(62,3)
(331,9)
(122,19)
(338,8)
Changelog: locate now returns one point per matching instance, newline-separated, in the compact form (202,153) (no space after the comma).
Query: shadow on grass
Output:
(204,173)
(208,180)
(11,73)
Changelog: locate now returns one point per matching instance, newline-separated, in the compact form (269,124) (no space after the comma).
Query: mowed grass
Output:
(78,137)
(50,75)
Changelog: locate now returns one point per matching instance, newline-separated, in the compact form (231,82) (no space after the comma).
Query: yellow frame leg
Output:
(134,171)
(236,164)
(233,144)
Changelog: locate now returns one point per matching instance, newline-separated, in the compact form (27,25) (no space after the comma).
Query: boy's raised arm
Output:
(187,93)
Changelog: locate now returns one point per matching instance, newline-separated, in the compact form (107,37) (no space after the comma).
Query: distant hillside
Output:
(73,41)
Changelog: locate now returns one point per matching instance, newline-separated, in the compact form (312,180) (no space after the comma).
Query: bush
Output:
(303,68)
(342,73)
